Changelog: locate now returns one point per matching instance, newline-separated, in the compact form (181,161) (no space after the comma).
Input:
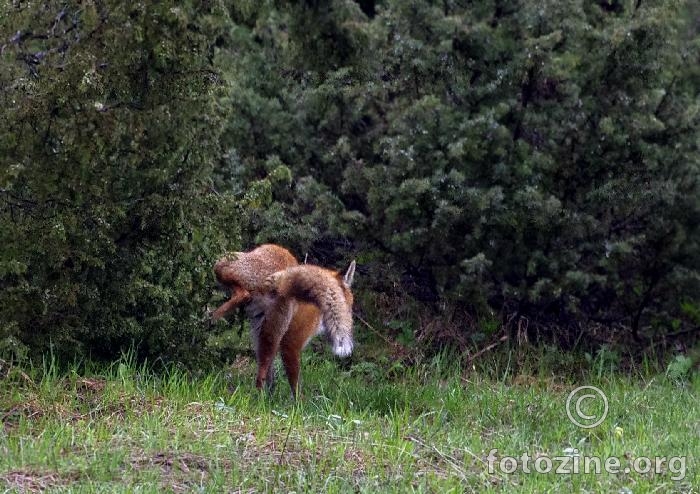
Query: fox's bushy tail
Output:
(326,289)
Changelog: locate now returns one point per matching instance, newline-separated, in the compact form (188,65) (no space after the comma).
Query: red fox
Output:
(289,304)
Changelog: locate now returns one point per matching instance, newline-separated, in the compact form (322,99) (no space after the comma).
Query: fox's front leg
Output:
(239,296)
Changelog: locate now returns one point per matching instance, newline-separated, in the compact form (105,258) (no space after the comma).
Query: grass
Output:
(368,428)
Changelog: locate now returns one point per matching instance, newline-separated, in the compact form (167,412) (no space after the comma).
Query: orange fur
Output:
(304,324)
(324,288)
(245,272)
(303,327)
(288,304)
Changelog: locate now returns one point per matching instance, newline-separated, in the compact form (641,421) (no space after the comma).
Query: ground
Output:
(363,428)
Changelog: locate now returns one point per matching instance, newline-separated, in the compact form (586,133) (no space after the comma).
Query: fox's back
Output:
(249,269)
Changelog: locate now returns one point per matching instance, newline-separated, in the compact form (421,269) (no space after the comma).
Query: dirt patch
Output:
(35,481)
(179,471)
(93,386)
(168,462)
(30,410)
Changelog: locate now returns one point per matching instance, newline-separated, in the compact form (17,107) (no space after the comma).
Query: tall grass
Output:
(369,428)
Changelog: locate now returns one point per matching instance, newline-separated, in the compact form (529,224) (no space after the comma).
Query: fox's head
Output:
(224,268)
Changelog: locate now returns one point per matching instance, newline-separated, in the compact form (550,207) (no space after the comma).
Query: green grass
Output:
(428,428)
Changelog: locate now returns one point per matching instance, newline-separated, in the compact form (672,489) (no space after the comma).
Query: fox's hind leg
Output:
(303,326)
(267,334)
(291,358)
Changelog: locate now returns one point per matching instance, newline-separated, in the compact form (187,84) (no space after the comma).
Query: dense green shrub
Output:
(534,158)
(487,158)
(109,131)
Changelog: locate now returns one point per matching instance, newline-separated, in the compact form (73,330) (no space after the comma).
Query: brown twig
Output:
(485,349)
(393,344)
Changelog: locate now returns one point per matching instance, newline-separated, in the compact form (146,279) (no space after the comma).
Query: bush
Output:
(534,159)
(109,131)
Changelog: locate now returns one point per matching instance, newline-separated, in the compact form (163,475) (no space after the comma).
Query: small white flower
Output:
(573,452)
(280,414)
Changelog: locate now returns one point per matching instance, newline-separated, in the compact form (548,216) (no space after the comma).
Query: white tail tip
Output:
(342,346)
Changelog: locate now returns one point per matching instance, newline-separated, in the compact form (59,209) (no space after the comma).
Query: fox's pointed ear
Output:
(349,275)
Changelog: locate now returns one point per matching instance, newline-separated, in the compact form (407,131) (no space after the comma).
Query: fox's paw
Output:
(211,317)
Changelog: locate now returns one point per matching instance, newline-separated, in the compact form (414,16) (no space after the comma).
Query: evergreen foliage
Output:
(521,159)
(109,132)
(534,158)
